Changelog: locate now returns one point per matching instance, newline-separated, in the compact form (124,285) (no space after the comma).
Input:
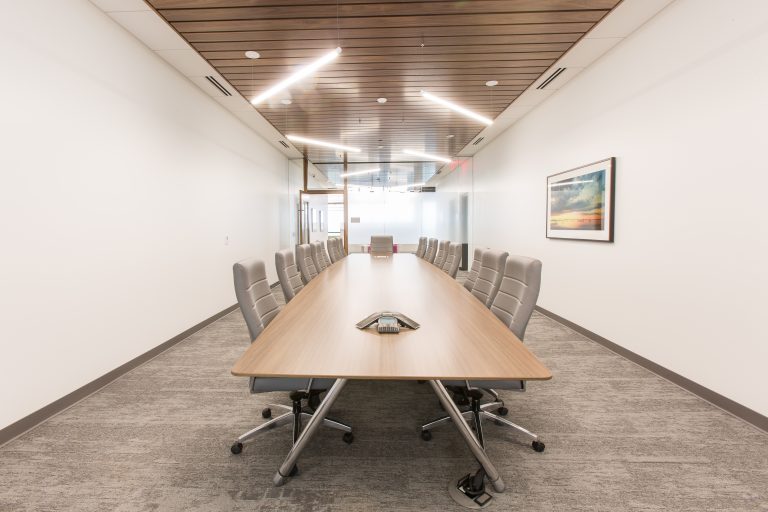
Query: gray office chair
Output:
(442,253)
(429,255)
(452,262)
(306,263)
(288,274)
(317,257)
(422,248)
(489,276)
(342,250)
(513,305)
(382,245)
(259,308)
(324,254)
(333,250)
(473,270)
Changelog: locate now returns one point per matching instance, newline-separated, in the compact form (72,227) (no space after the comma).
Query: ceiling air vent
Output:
(283,143)
(217,85)
(478,141)
(556,73)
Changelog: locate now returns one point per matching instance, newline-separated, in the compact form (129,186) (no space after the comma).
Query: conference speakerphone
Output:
(387,322)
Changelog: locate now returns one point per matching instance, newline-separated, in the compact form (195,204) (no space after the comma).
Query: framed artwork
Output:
(580,202)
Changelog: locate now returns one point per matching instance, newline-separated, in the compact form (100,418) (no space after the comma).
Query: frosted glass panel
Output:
(382,212)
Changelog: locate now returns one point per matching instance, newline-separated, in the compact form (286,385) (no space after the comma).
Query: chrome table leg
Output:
(469,438)
(312,425)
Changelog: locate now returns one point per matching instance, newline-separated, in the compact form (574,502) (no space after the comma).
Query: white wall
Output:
(682,104)
(120,182)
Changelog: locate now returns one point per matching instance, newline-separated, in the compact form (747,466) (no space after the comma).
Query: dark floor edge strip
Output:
(29,422)
(745,413)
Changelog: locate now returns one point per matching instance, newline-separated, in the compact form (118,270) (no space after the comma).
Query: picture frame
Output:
(581,202)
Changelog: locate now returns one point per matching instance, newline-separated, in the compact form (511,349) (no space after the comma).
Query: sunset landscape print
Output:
(578,203)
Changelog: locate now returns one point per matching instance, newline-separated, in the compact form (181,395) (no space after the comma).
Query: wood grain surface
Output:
(315,334)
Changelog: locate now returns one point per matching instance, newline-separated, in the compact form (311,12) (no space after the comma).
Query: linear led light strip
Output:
(313,142)
(358,173)
(427,156)
(456,108)
(298,75)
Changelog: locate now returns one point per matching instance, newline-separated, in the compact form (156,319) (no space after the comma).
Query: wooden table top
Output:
(459,338)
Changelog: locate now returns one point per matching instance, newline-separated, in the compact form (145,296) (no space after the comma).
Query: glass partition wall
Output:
(382,203)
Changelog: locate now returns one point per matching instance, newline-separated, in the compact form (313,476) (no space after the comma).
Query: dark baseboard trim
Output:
(27,423)
(716,399)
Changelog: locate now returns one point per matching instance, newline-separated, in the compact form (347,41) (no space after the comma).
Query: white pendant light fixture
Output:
(298,75)
(358,173)
(427,156)
(313,142)
(456,108)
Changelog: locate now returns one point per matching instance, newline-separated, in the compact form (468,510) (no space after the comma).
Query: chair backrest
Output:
(333,249)
(256,301)
(288,274)
(317,257)
(473,270)
(442,252)
(381,244)
(489,276)
(324,254)
(306,263)
(431,250)
(518,293)
(452,262)
(422,248)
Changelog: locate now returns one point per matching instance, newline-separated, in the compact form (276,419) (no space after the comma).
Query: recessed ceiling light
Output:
(252,54)
(286,101)
(381,147)
(492,83)
(427,156)
(313,142)
(382,100)
(456,108)
(449,136)
(298,75)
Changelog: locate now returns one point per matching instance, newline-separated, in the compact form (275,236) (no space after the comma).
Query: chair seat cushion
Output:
(486,384)
(268,384)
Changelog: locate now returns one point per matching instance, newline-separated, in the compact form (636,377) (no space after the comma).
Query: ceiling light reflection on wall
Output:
(427,156)
(313,142)
(456,108)
(298,75)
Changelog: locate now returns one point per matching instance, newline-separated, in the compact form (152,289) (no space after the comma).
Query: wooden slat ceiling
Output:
(392,49)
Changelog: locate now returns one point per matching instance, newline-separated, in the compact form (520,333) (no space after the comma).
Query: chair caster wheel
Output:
(426,435)
(294,471)
(236,448)
(502,411)
(537,446)
(266,413)
(348,437)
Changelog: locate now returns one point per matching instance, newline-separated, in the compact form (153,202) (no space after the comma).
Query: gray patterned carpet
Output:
(618,438)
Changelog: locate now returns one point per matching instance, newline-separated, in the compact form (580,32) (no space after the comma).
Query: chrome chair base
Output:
(294,416)
(484,414)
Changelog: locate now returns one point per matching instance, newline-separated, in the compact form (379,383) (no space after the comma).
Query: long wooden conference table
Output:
(459,338)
